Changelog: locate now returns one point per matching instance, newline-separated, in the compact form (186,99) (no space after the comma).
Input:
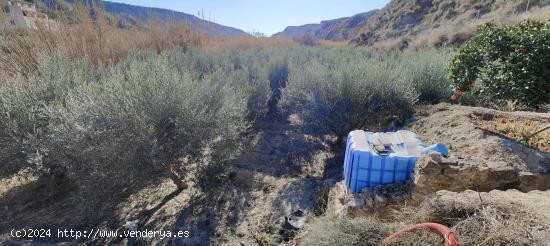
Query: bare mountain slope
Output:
(338,29)
(420,23)
(133,13)
(440,22)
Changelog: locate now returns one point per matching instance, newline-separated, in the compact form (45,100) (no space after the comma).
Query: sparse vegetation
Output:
(171,105)
(346,231)
(181,114)
(88,33)
(94,113)
(490,224)
(531,133)
(139,116)
(346,89)
(442,23)
(92,34)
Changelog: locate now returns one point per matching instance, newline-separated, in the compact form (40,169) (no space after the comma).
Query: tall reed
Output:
(91,33)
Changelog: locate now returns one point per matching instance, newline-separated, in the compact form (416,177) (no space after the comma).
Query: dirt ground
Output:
(284,170)
(489,149)
(464,131)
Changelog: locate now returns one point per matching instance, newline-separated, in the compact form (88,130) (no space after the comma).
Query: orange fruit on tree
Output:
(453,99)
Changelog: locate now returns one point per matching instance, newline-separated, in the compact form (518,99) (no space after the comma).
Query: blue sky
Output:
(267,16)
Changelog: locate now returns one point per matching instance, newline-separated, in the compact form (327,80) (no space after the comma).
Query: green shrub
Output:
(135,118)
(153,112)
(506,63)
(248,70)
(426,70)
(347,89)
(278,77)
(351,96)
(23,117)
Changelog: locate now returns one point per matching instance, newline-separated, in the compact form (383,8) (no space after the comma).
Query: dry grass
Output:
(494,225)
(22,177)
(247,42)
(97,39)
(488,224)
(391,44)
(419,238)
(334,43)
(101,40)
(441,36)
(344,231)
(523,131)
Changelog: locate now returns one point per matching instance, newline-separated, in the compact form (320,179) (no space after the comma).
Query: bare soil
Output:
(461,129)
(282,170)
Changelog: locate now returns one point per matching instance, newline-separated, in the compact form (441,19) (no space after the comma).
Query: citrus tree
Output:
(510,63)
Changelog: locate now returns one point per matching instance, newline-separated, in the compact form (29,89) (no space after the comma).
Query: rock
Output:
(433,173)
(379,199)
(131,225)
(337,199)
(297,219)
(530,181)
(479,158)
(356,201)
(342,202)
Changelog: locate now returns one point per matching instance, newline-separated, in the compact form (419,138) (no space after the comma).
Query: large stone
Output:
(342,202)
(480,157)
(530,181)
(337,200)
(434,173)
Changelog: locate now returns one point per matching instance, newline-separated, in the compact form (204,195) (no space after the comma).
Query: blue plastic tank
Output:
(374,159)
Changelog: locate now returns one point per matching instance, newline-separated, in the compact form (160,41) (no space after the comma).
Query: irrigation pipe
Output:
(445,232)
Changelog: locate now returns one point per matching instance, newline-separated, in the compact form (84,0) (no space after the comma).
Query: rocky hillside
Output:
(442,22)
(132,14)
(338,29)
(489,149)
(144,13)
(420,23)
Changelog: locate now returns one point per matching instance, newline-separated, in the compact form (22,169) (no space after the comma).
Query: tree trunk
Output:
(174,176)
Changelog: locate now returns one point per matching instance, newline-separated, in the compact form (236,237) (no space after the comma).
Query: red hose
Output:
(445,232)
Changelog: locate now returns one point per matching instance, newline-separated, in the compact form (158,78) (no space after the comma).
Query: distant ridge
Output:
(345,28)
(138,13)
(421,23)
(427,23)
